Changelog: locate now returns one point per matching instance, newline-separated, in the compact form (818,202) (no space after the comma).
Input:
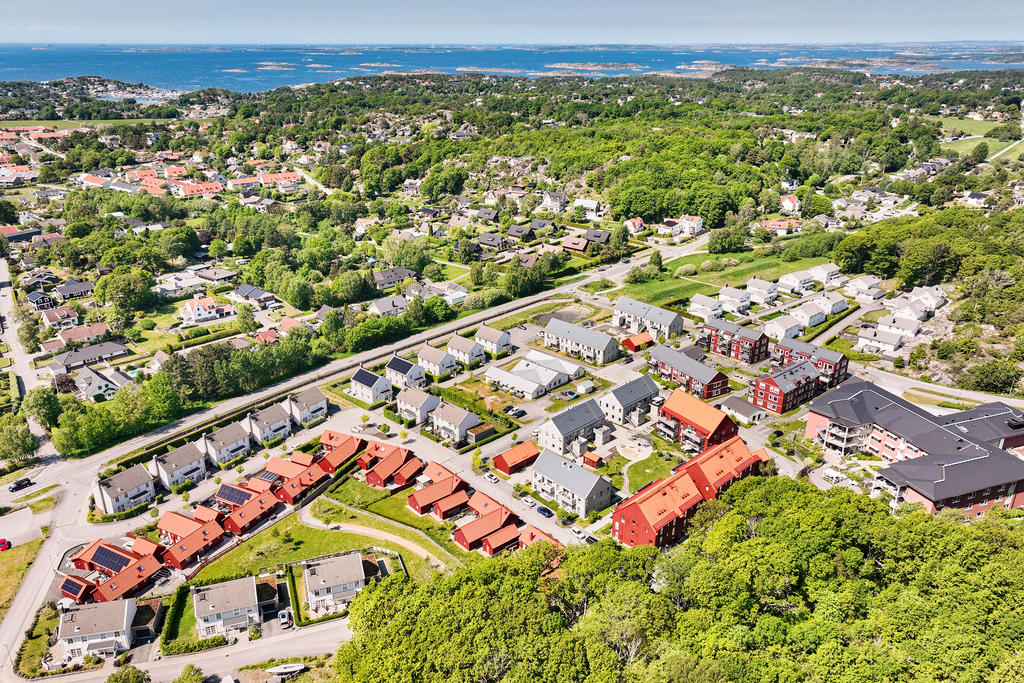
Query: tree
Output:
(655,261)
(128,674)
(42,404)
(17,443)
(63,384)
(8,213)
(161,399)
(218,249)
(246,320)
(128,409)
(190,674)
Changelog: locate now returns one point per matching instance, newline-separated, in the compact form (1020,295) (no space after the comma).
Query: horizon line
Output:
(436,44)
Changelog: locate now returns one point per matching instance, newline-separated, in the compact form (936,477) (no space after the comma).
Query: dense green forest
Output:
(778,581)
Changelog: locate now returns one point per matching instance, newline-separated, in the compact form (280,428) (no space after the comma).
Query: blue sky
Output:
(524,21)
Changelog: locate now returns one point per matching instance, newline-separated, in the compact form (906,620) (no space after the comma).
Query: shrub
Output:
(686,270)
(147,324)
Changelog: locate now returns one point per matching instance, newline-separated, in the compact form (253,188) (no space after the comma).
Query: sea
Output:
(252,68)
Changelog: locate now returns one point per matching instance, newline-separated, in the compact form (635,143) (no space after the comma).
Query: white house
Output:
(452,423)
(591,208)
(638,317)
(333,581)
(629,403)
(809,314)
(790,204)
(493,341)
(388,305)
(465,350)
(227,607)
(307,406)
(416,405)
(762,292)
(824,273)
(270,423)
(403,373)
(124,490)
(227,443)
(796,282)
(201,309)
(578,423)
(93,384)
(865,288)
(184,463)
(570,485)
(905,327)
(782,327)
(832,302)
(591,345)
(873,340)
(98,628)
(734,300)
(435,361)
(704,307)
(369,387)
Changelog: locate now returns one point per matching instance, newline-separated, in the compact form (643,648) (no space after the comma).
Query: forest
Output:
(777,581)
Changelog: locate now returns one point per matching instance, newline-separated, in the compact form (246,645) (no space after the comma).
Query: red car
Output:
(4,544)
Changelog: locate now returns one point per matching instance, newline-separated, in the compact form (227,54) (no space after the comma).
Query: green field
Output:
(967,146)
(15,562)
(651,468)
(451,272)
(295,541)
(969,126)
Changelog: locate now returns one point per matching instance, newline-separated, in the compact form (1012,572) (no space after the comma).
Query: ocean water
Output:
(250,68)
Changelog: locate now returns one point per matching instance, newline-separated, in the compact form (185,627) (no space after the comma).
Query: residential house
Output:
(570,485)
(637,317)
(269,424)
(389,277)
(734,341)
(307,406)
(73,289)
(685,419)
(809,314)
(783,327)
(403,373)
(332,582)
(466,350)
(824,273)
(227,443)
(832,365)
(84,333)
(580,423)
(368,387)
(743,410)
(489,240)
(203,309)
(526,233)
(494,524)
(659,514)
(907,328)
(629,403)
(215,276)
(798,282)
(786,388)
(97,629)
(252,295)
(416,405)
(516,458)
(875,340)
(576,340)
(178,284)
(591,208)
(40,301)
(704,307)
(734,300)
(69,361)
(225,608)
(188,538)
(60,318)
(493,341)
(834,303)
(790,204)
(865,289)
(388,305)
(634,225)
(553,202)
(435,361)
(452,423)
(487,215)
(125,490)
(93,385)
(688,374)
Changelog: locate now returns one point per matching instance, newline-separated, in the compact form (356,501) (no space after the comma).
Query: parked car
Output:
(529,502)
(544,512)
(519,413)
(591,540)
(493,478)
(285,617)
(508,409)
(20,484)
(578,533)
(4,544)
(535,433)
(629,359)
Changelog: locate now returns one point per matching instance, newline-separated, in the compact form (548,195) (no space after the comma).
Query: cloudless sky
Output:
(477,22)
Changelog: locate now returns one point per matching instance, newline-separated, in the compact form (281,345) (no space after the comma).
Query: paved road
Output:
(309,179)
(22,365)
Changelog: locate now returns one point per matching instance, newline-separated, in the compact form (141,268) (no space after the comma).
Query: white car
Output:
(529,502)
(491,477)
(578,533)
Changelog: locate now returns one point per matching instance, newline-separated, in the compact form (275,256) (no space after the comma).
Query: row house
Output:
(226,444)
(435,361)
(493,341)
(580,423)
(570,485)
(734,300)
(576,340)
(659,514)
(687,373)
(762,292)
(629,403)
(465,350)
(687,420)
(183,464)
(637,317)
(704,307)
(725,338)
(124,490)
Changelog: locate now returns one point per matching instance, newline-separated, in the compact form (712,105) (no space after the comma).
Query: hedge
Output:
(119,516)
(314,423)
(169,645)
(184,486)
(231,463)
(184,647)
(430,436)
(299,615)
(267,444)
(202,339)
(12,377)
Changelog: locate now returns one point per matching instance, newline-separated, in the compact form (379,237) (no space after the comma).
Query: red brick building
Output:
(745,344)
(785,389)
(832,365)
(686,419)
(659,514)
(687,373)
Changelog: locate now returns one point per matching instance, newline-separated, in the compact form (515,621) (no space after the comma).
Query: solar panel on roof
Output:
(268,476)
(233,495)
(105,557)
(70,586)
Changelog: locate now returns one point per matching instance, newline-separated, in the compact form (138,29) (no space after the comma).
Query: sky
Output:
(478,22)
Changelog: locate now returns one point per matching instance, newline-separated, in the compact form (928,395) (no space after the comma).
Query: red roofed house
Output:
(481,504)
(250,513)
(450,506)
(127,571)
(187,538)
(384,471)
(530,534)
(76,588)
(686,419)
(268,337)
(516,458)
(406,474)
(470,535)
(659,513)
(279,178)
(502,539)
(375,450)
(338,448)
(130,581)
(422,501)
(638,341)
(292,490)
(202,308)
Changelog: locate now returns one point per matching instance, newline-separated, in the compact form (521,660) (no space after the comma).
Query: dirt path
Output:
(307,518)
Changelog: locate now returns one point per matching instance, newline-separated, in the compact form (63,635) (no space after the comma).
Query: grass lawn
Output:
(357,494)
(845,346)
(11,476)
(43,504)
(153,341)
(38,642)
(968,145)
(969,126)
(527,315)
(451,272)
(493,399)
(874,316)
(16,562)
(662,292)
(924,400)
(598,286)
(651,468)
(295,541)
(187,625)
(613,470)
(35,494)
